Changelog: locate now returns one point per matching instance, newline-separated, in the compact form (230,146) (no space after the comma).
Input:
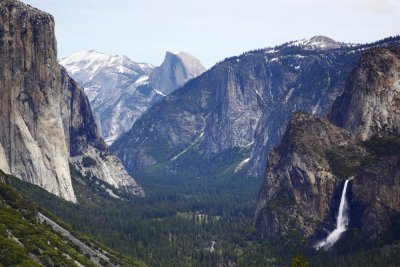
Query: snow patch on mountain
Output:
(85,65)
(317,42)
(241,165)
(112,85)
(121,90)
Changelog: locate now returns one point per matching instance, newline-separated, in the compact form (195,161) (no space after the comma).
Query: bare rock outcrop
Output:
(371,102)
(175,71)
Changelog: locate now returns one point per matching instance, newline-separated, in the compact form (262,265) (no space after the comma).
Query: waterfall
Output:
(342,221)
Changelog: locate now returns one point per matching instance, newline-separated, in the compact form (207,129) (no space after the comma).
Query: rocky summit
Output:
(121,90)
(175,71)
(45,116)
(302,188)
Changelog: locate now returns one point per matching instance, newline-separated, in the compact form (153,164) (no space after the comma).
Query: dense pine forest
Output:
(178,225)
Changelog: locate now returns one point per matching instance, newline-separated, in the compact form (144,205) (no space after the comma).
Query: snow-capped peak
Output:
(84,65)
(317,42)
(120,90)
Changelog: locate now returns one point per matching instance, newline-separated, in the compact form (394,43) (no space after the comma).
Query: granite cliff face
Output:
(116,87)
(306,172)
(45,116)
(120,90)
(298,192)
(371,102)
(241,106)
(175,71)
(369,108)
(375,192)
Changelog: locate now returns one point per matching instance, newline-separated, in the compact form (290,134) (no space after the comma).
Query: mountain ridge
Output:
(240,103)
(121,90)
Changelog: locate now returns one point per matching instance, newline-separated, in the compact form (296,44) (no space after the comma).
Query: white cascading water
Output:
(341,223)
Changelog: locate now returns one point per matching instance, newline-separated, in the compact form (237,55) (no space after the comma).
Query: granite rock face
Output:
(299,188)
(306,172)
(120,90)
(243,103)
(106,167)
(371,101)
(375,192)
(45,115)
(175,71)
(369,108)
(117,89)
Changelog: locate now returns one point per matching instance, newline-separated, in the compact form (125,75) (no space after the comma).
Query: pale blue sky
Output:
(212,30)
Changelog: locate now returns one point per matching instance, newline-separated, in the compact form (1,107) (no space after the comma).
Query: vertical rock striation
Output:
(242,104)
(300,184)
(175,71)
(120,90)
(371,102)
(117,89)
(45,116)
(304,172)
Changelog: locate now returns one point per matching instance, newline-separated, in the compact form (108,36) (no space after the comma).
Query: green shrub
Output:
(298,261)
(383,145)
(88,162)
(340,164)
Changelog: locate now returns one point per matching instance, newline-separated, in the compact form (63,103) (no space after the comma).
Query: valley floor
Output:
(177,223)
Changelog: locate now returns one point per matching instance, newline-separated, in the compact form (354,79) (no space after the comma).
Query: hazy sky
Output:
(212,29)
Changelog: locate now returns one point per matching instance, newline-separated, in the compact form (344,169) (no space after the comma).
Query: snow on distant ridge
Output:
(111,84)
(85,65)
(317,42)
(121,90)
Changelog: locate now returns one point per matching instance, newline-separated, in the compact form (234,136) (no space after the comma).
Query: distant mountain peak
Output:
(121,90)
(176,69)
(85,65)
(321,38)
(176,53)
(187,59)
(317,42)
(179,54)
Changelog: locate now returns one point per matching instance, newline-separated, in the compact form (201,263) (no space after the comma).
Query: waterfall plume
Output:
(342,221)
